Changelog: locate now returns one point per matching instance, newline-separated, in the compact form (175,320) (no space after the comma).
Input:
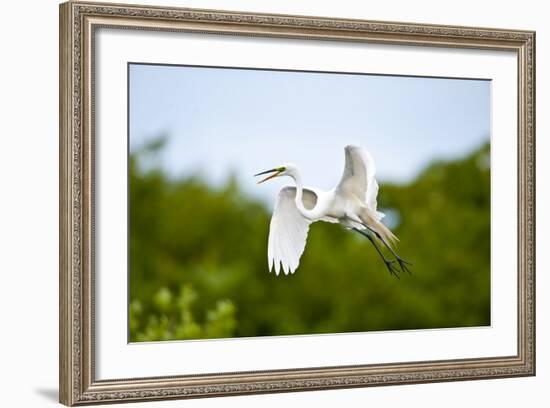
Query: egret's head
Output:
(285,170)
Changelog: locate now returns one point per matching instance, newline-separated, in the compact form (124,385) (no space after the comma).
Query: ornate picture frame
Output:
(78,24)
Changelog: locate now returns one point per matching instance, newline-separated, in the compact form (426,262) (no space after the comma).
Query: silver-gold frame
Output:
(78,23)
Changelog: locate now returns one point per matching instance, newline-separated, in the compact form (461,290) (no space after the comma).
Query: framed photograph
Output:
(255,203)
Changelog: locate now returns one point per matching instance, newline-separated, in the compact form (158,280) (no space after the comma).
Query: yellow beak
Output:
(274,171)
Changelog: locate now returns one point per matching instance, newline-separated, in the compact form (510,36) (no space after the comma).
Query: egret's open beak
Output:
(274,171)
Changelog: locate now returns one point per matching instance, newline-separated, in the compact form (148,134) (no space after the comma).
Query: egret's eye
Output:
(281,168)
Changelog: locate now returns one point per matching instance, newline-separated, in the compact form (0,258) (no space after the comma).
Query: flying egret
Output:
(352,203)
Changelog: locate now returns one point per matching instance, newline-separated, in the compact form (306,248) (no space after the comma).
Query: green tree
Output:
(198,264)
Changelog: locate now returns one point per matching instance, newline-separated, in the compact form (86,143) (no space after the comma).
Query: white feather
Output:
(288,231)
(359,177)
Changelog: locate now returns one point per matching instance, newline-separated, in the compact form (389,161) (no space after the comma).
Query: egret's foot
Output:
(391,268)
(403,265)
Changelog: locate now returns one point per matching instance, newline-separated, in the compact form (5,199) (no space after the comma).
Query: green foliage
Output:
(198,260)
(173,318)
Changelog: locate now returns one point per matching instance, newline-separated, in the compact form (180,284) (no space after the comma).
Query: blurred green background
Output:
(198,259)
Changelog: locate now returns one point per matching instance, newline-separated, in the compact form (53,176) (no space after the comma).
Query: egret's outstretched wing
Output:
(358,178)
(288,230)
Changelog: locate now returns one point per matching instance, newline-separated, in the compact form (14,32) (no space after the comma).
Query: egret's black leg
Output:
(388,262)
(402,263)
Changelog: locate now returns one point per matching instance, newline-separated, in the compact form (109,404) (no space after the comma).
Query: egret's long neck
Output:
(299,192)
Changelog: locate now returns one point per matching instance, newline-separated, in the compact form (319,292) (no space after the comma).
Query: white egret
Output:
(352,203)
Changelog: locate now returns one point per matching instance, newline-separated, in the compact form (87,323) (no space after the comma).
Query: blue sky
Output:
(233,121)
